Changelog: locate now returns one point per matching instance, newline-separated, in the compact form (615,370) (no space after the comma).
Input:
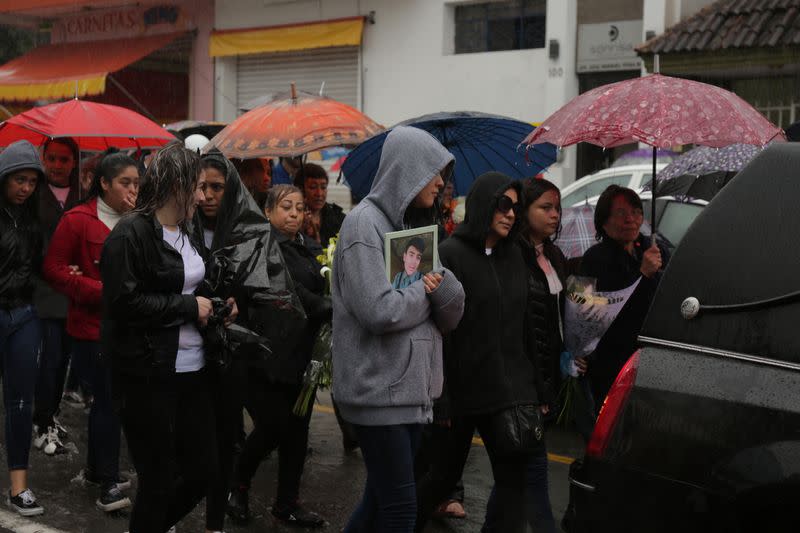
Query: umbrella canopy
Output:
(577,230)
(657,110)
(292,124)
(703,187)
(184,128)
(94,126)
(480,142)
(660,111)
(643,156)
(705,160)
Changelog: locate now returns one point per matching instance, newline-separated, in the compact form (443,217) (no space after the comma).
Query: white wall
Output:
(409,68)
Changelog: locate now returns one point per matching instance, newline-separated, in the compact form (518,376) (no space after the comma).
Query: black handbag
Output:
(517,430)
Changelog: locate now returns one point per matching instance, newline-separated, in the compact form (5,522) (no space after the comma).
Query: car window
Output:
(594,188)
(676,219)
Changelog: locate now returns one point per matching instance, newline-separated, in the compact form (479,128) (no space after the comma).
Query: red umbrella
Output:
(94,126)
(657,110)
(292,124)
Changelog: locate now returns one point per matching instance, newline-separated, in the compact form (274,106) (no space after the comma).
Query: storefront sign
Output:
(126,22)
(609,46)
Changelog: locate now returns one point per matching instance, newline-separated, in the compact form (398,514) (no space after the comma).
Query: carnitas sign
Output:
(134,21)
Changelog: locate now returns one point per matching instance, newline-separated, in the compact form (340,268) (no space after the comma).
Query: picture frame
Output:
(405,262)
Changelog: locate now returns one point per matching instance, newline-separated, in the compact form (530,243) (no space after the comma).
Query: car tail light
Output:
(612,407)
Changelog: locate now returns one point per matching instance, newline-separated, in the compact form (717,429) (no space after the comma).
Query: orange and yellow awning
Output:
(72,69)
(288,38)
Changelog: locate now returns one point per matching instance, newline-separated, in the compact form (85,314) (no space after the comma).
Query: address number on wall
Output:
(555,72)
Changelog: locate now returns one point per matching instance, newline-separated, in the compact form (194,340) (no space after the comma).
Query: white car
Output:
(631,176)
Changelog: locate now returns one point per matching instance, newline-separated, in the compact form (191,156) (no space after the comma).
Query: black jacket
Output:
(245,262)
(544,316)
(331,217)
(49,302)
(143,308)
(20,232)
(288,367)
(616,269)
(488,363)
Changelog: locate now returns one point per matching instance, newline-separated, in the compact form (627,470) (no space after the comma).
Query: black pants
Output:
(433,436)
(53,365)
(169,425)
(228,391)
(449,452)
(275,426)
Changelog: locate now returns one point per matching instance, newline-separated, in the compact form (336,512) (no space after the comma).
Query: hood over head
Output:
(238,212)
(481,203)
(20,155)
(410,159)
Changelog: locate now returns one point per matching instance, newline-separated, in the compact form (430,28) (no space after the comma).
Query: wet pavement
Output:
(332,484)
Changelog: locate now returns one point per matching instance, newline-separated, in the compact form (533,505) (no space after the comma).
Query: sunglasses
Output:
(505,204)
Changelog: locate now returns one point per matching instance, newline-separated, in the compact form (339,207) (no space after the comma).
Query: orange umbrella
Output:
(292,124)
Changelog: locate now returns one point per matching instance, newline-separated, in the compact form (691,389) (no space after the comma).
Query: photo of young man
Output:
(412,256)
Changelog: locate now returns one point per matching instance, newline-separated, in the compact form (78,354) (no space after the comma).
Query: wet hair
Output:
(532,189)
(70,143)
(312,171)
(216,164)
(602,212)
(173,173)
(111,163)
(417,243)
(278,193)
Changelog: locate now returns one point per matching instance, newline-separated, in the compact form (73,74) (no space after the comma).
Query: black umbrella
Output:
(703,187)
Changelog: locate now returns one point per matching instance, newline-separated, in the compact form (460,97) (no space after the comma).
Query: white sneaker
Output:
(24,503)
(63,434)
(49,442)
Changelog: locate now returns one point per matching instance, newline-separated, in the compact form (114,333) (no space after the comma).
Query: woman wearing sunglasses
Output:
(489,372)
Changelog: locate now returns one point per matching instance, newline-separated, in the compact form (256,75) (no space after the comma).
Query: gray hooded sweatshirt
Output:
(387,343)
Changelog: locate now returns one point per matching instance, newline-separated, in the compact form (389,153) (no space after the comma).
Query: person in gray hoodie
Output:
(387,343)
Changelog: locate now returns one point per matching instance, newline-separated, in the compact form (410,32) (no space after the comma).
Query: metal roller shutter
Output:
(261,74)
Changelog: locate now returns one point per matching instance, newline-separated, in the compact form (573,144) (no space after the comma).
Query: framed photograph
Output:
(410,254)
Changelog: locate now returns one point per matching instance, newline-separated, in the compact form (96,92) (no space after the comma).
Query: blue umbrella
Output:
(479,142)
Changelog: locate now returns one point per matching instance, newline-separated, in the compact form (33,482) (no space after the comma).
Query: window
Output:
(675,220)
(503,25)
(594,188)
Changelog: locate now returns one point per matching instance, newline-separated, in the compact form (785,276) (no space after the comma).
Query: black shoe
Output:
(123,483)
(111,499)
(238,507)
(349,445)
(295,515)
(24,503)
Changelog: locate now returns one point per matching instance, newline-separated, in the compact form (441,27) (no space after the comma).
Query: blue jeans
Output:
(20,343)
(538,511)
(104,426)
(389,504)
(53,365)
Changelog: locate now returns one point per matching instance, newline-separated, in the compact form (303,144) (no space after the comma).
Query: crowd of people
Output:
(176,294)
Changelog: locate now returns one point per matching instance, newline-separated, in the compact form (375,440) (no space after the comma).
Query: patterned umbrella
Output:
(705,160)
(292,124)
(577,230)
(657,110)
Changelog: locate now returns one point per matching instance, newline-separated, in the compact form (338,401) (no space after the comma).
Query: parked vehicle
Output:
(701,430)
(631,176)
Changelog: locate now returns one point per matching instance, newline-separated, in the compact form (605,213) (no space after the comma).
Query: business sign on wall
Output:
(125,22)
(609,46)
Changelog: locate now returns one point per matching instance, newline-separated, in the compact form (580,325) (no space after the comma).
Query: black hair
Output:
(417,243)
(312,171)
(532,189)
(216,164)
(112,163)
(173,172)
(602,211)
(70,143)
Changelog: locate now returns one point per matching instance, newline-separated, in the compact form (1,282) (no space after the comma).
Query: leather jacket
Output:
(143,308)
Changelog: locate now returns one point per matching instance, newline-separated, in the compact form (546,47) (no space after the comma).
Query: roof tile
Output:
(732,24)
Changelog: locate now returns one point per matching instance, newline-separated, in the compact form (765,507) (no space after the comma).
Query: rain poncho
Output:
(245,262)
